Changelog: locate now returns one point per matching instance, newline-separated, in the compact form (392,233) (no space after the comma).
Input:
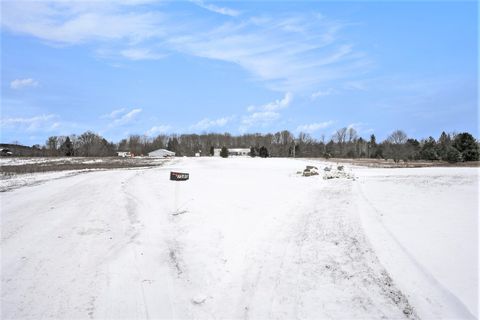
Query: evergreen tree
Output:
(372,147)
(429,150)
(263,152)
(452,155)
(412,149)
(465,143)
(173,145)
(224,152)
(212,151)
(67,148)
(444,142)
(253,153)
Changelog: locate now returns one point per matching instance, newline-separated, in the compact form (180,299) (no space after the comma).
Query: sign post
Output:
(179,176)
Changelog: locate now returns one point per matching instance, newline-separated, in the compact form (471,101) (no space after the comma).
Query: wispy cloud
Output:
(155,130)
(274,105)
(265,114)
(322,93)
(44,122)
(22,83)
(258,119)
(312,127)
(360,128)
(127,117)
(75,22)
(114,114)
(141,54)
(121,116)
(220,10)
(286,56)
(207,123)
(287,52)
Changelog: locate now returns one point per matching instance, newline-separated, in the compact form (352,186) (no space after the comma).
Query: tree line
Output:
(344,143)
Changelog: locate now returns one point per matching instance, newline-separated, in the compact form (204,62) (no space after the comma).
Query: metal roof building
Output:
(161,153)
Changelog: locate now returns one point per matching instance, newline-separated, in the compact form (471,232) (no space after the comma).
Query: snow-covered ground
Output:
(243,238)
(14,181)
(423,225)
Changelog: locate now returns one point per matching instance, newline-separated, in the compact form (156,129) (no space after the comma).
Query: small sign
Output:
(179,176)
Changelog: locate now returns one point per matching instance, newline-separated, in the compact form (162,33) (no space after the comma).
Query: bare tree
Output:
(396,145)
(397,137)
(352,134)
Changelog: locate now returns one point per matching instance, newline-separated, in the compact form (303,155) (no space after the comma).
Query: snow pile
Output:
(337,173)
(309,171)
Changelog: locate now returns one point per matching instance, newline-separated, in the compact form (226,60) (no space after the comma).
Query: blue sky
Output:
(150,67)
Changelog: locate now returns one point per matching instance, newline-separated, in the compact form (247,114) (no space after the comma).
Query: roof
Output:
(161,153)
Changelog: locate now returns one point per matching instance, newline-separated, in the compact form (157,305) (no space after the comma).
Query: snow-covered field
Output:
(243,238)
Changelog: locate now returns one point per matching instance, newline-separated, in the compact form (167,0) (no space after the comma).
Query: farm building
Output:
(233,152)
(124,154)
(161,153)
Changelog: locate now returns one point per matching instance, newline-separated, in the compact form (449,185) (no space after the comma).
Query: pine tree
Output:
(263,152)
(452,155)
(253,153)
(67,148)
(224,152)
(372,147)
(212,151)
(468,147)
(443,144)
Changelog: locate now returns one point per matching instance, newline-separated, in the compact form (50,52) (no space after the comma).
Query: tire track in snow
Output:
(447,298)
(322,249)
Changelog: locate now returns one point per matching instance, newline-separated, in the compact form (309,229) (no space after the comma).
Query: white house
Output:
(161,153)
(233,152)
(124,154)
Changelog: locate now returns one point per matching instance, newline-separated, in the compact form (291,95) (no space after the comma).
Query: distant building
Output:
(161,153)
(5,152)
(124,154)
(233,152)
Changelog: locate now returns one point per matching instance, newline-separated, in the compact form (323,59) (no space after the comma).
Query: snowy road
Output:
(243,238)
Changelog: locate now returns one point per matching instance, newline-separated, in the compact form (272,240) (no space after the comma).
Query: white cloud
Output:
(114,114)
(74,22)
(322,93)
(141,54)
(127,117)
(312,127)
(274,105)
(206,123)
(295,52)
(158,130)
(121,116)
(294,58)
(356,85)
(22,83)
(259,118)
(360,127)
(220,10)
(42,122)
(265,114)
